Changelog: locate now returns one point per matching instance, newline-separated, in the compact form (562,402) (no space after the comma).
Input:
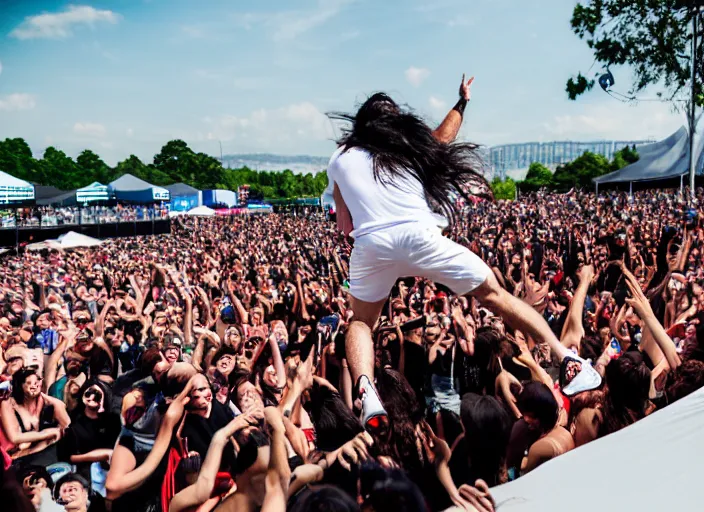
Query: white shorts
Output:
(379,259)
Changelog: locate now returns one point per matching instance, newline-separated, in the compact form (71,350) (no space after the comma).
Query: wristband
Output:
(460,106)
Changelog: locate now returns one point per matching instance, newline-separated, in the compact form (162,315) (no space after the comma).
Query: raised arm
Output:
(122,478)
(573,330)
(641,306)
(279,473)
(450,126)
(199,492)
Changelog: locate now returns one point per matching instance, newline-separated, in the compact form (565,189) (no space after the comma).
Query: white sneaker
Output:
(373,416)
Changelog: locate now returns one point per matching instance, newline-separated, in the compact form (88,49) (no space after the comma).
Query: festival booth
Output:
(201,211)
(665,163)
(14,191)
(650,465)
(259,208)
(130,189)
(184,197)
(219,198)
(52,196)
(93,193)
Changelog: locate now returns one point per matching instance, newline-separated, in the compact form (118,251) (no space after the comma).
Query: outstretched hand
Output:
(355,450)
(638,301)
(478,497)
(177,407)
(465,88)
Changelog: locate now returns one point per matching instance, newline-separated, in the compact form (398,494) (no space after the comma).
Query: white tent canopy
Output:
(201,211)
(131,188)
(650,465)
(70,240)
(14,189)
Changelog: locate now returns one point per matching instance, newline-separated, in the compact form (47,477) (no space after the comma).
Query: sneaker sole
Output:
(377,425)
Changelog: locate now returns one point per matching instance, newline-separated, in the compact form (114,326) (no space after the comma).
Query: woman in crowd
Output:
(32,421)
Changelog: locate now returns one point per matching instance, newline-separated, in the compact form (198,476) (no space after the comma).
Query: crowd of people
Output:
(50,216)
(206,369)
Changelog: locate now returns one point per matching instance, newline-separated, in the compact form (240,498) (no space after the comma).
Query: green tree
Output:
(134,166)
(652,37)
(288,184)
(503,189)
(538,177)
(174,160)
(59,170)
(16,159)
(581,171)
(624,157)
(203,172)
(630,154)
(269,192)
(92,168)
(321,183)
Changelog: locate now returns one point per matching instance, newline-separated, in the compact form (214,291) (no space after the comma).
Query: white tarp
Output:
(201,211)
(651,465)
(70,240)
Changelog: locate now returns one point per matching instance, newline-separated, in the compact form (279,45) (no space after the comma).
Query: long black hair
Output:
(402,144)
(334,422)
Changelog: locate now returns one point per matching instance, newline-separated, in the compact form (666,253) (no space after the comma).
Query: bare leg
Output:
(518,314)
(359,346)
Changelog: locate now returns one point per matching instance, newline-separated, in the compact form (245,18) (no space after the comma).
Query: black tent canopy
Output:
(181,189)
(662,160)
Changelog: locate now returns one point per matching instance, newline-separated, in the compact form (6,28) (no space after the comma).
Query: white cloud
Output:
(17,101)
(286,129)
(437,103)
(416,76)
(289,25)
(294,24)
(129,132)
(614,121)
(0,68)
(60,25)
(89,129)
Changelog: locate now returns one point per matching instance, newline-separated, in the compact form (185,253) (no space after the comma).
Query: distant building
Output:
(513,157)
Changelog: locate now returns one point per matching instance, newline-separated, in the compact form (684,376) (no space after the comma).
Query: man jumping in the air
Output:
(389,166)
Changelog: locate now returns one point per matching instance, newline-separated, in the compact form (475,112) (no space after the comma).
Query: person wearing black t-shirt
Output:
(91,436)
(205,417)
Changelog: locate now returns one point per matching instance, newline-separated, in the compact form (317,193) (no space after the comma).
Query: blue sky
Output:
(125,76)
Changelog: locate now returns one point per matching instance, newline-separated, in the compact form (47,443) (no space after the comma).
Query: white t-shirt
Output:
(373,205)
